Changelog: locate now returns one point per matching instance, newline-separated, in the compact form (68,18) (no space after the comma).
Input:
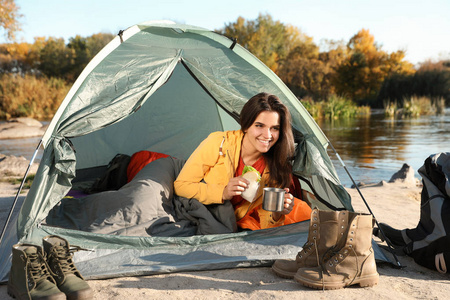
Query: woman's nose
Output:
(267,134)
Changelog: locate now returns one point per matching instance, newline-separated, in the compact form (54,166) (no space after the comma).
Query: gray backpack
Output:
(429,243)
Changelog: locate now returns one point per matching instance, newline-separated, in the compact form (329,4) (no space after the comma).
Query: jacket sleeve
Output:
(190,184)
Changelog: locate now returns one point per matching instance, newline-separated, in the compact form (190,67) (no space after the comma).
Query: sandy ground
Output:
(393,203)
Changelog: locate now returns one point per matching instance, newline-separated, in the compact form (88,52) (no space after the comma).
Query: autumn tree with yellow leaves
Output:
(355,70)
(9,18)
(34,78)
(285,50)
(265,38)
(308,72)
(366,66)
(52,57)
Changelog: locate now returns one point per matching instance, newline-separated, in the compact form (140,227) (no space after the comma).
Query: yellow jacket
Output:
(211,166)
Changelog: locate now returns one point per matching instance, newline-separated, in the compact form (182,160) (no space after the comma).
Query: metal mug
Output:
(273,199)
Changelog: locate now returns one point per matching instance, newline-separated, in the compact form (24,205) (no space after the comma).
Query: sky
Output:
(420,27)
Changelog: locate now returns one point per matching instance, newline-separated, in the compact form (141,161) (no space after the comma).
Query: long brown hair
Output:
(279,155)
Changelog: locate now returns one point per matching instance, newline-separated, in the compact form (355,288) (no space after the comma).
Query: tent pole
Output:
(399,265)
(19,190)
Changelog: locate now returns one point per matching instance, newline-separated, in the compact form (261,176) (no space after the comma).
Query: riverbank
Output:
(19,128)
(397,204)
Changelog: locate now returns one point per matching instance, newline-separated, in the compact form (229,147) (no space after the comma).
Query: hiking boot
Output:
(30,276)
(67,277)
(352,261)
(325,229)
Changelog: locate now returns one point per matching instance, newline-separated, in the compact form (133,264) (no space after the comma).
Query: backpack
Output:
(114,177)
(429,242)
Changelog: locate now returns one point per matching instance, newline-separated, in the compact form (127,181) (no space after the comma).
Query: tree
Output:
(55,59)
(16,58)
(363,71)
(302,71)
(284,49)
(431,80)
(309,72)
(81,57)
(263,37)
(84,49)
(51,56)
(9,15)
(96,42)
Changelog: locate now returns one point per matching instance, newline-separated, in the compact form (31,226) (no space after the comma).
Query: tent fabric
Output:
(164,87)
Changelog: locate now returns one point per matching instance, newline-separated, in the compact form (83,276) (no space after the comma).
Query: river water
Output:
(373,148)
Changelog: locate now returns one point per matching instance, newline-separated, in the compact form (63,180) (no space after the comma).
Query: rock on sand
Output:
(405,175)
(21,128)
(11,165)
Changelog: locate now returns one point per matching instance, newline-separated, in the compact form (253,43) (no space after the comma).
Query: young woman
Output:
(265,141)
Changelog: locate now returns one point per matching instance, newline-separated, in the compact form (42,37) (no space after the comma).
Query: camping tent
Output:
(164,87)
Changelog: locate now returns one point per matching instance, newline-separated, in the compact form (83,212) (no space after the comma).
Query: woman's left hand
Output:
(288,206)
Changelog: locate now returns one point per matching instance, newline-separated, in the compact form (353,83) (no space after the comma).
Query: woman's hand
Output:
(288,206)
(235,187)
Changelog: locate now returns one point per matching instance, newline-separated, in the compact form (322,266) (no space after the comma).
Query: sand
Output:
(397,204)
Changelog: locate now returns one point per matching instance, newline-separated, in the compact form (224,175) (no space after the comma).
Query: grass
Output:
(414,106)
(30,96)
(335,107)
(18,180)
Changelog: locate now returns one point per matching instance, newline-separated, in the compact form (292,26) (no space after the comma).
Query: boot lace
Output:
(64,257)
(307,247)
(329,253)
(37,268)
(317,253)
(330,257)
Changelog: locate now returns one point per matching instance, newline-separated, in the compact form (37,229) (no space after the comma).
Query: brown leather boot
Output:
(325,229)
(352,262)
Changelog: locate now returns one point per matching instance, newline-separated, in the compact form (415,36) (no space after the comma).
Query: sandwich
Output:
(254,177)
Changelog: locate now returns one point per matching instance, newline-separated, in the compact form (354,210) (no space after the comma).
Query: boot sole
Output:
(86,294)
(283,274)
(11,291)
(365,281)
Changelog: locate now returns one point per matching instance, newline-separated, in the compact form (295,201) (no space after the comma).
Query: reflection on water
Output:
(373,148)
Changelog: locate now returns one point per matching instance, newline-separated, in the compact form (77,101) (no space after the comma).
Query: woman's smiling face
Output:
(264,132)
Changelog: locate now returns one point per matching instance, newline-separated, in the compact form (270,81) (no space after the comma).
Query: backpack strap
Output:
(440,263)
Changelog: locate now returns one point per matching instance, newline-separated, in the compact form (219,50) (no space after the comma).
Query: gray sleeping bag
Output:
(145,206)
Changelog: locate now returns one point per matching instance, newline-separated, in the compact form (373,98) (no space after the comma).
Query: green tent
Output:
(164,87)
